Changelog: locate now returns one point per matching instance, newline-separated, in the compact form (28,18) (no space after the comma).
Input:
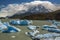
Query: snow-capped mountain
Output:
(39,6)
(32,7)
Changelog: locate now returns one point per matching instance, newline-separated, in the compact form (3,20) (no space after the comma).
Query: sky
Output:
(6,2)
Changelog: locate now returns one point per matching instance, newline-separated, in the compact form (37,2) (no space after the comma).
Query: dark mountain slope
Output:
(37,16)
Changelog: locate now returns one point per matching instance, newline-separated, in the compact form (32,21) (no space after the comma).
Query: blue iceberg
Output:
(47,35)
(45,27)
(10,29)
(2,26)
(51,29)
(54,22)
(20,22)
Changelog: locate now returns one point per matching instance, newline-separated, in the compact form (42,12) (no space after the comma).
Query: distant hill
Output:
(37,16)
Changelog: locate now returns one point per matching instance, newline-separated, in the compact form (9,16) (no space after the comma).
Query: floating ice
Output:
(32,34)
(47,35)
(13,36)
(11,29)
(32,27)
(54,22)
(51,29)
(2,26)
(20,22)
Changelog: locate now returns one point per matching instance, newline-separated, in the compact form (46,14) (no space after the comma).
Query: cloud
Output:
(12,9)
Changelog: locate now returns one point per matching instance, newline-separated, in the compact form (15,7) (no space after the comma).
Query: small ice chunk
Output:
(13,36)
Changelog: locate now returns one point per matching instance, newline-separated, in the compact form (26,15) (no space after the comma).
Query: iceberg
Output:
(32,27)
(20,22)
(10,29)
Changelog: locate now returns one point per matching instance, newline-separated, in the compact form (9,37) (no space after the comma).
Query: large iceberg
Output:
(6,28)
(10,29)
(20,22)
(2,26)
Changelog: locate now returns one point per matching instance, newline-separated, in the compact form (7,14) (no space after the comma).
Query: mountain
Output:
(39,6)
(31,10)
(29,7)
(38,16)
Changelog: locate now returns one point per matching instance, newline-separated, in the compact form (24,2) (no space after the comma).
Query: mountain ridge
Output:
(37,16)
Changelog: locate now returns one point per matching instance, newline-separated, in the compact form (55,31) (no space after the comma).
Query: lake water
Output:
(21,35)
